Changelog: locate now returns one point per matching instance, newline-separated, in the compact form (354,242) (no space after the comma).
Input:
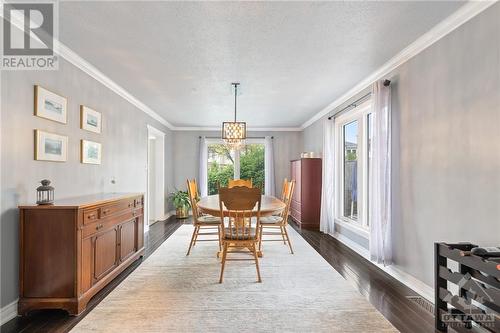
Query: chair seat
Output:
(209,219)
(271,219)
(250,233)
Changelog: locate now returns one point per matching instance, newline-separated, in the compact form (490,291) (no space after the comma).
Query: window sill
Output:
(359,230)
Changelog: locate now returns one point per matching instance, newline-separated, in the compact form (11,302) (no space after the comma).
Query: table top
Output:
(268,205)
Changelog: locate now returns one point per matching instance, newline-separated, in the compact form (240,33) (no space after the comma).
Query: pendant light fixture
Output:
(234,132)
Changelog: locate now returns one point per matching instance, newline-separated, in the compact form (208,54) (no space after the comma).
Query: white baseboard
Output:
(8,312)
(395,271)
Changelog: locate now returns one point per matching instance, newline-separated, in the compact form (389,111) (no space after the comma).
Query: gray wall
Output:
(446,144)
(124,140)
(287,146)
(313,137)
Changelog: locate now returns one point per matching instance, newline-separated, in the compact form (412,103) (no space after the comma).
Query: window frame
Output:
(360,114)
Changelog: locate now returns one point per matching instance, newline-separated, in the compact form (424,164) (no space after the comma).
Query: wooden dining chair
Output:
(278,222)
(239,202)
(240,182)
(202,222)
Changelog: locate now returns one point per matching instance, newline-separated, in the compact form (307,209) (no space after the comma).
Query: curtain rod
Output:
(250,137)
(355,103)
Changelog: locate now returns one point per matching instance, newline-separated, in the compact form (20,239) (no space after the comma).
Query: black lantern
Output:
(45,193)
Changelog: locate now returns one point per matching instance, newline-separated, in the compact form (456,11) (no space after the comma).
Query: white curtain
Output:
(203,172)
(269,166)
(327,222)
(380,180)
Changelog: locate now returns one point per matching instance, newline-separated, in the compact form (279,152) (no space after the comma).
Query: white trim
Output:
(354,228)
(249,129)
(154,133)
(395,271)
(8,312)
(461,16)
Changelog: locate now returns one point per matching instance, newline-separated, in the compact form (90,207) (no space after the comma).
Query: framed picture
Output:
(50,147)
(90,120)
(91,152)
(50,106)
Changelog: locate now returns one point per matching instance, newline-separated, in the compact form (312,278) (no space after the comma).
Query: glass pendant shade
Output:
(234,134)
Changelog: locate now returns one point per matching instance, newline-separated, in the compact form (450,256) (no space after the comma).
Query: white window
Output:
(353,136)
(223,164)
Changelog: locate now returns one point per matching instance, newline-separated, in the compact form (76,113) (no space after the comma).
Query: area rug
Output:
(172,292)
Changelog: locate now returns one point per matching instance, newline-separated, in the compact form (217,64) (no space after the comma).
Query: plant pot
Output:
(181,212)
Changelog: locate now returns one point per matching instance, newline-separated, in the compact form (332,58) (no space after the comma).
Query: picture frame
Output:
(50,105)
(90,120)
(90,152)
(50,146)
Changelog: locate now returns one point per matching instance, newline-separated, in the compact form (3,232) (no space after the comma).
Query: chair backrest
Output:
(193,197)
(240,201)
(284,189)
(287,199)
(240,182)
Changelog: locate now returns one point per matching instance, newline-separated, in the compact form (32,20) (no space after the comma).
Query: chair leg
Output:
(283,234)
(192,240)
(220,237)
(256,262)
(224,254)
(288,239)
(260,237)
(196,236)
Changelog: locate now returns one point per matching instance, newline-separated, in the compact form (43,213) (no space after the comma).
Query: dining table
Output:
(269,205)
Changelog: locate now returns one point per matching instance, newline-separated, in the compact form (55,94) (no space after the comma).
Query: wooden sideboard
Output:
(72,249)
(306,200)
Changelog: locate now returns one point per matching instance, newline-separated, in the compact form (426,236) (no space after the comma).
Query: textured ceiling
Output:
(292,58)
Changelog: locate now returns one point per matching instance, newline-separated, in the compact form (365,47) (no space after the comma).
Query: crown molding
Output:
(250,129)
(458,18)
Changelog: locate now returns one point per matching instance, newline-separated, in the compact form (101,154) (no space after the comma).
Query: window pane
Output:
(369,125)
(252,164)
(351,170)
(220,166)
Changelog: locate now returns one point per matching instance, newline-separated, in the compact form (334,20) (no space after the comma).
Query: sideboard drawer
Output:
(116,208)
(102,224)
(90,216)
(94,228)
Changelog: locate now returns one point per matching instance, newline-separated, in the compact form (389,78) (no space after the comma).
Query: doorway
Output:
(155,196)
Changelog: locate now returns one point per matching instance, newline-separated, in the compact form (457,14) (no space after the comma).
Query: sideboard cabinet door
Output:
(128,246)
(105,253)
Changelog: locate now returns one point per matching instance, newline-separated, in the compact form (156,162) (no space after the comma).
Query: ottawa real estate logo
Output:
(29,36)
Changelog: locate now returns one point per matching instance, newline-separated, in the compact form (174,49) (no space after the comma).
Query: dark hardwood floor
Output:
(385,293)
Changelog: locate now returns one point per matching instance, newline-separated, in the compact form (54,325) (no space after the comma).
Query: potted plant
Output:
(181,202)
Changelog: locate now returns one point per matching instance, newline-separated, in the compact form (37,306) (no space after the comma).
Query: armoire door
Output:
(128,243)
(105,253)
